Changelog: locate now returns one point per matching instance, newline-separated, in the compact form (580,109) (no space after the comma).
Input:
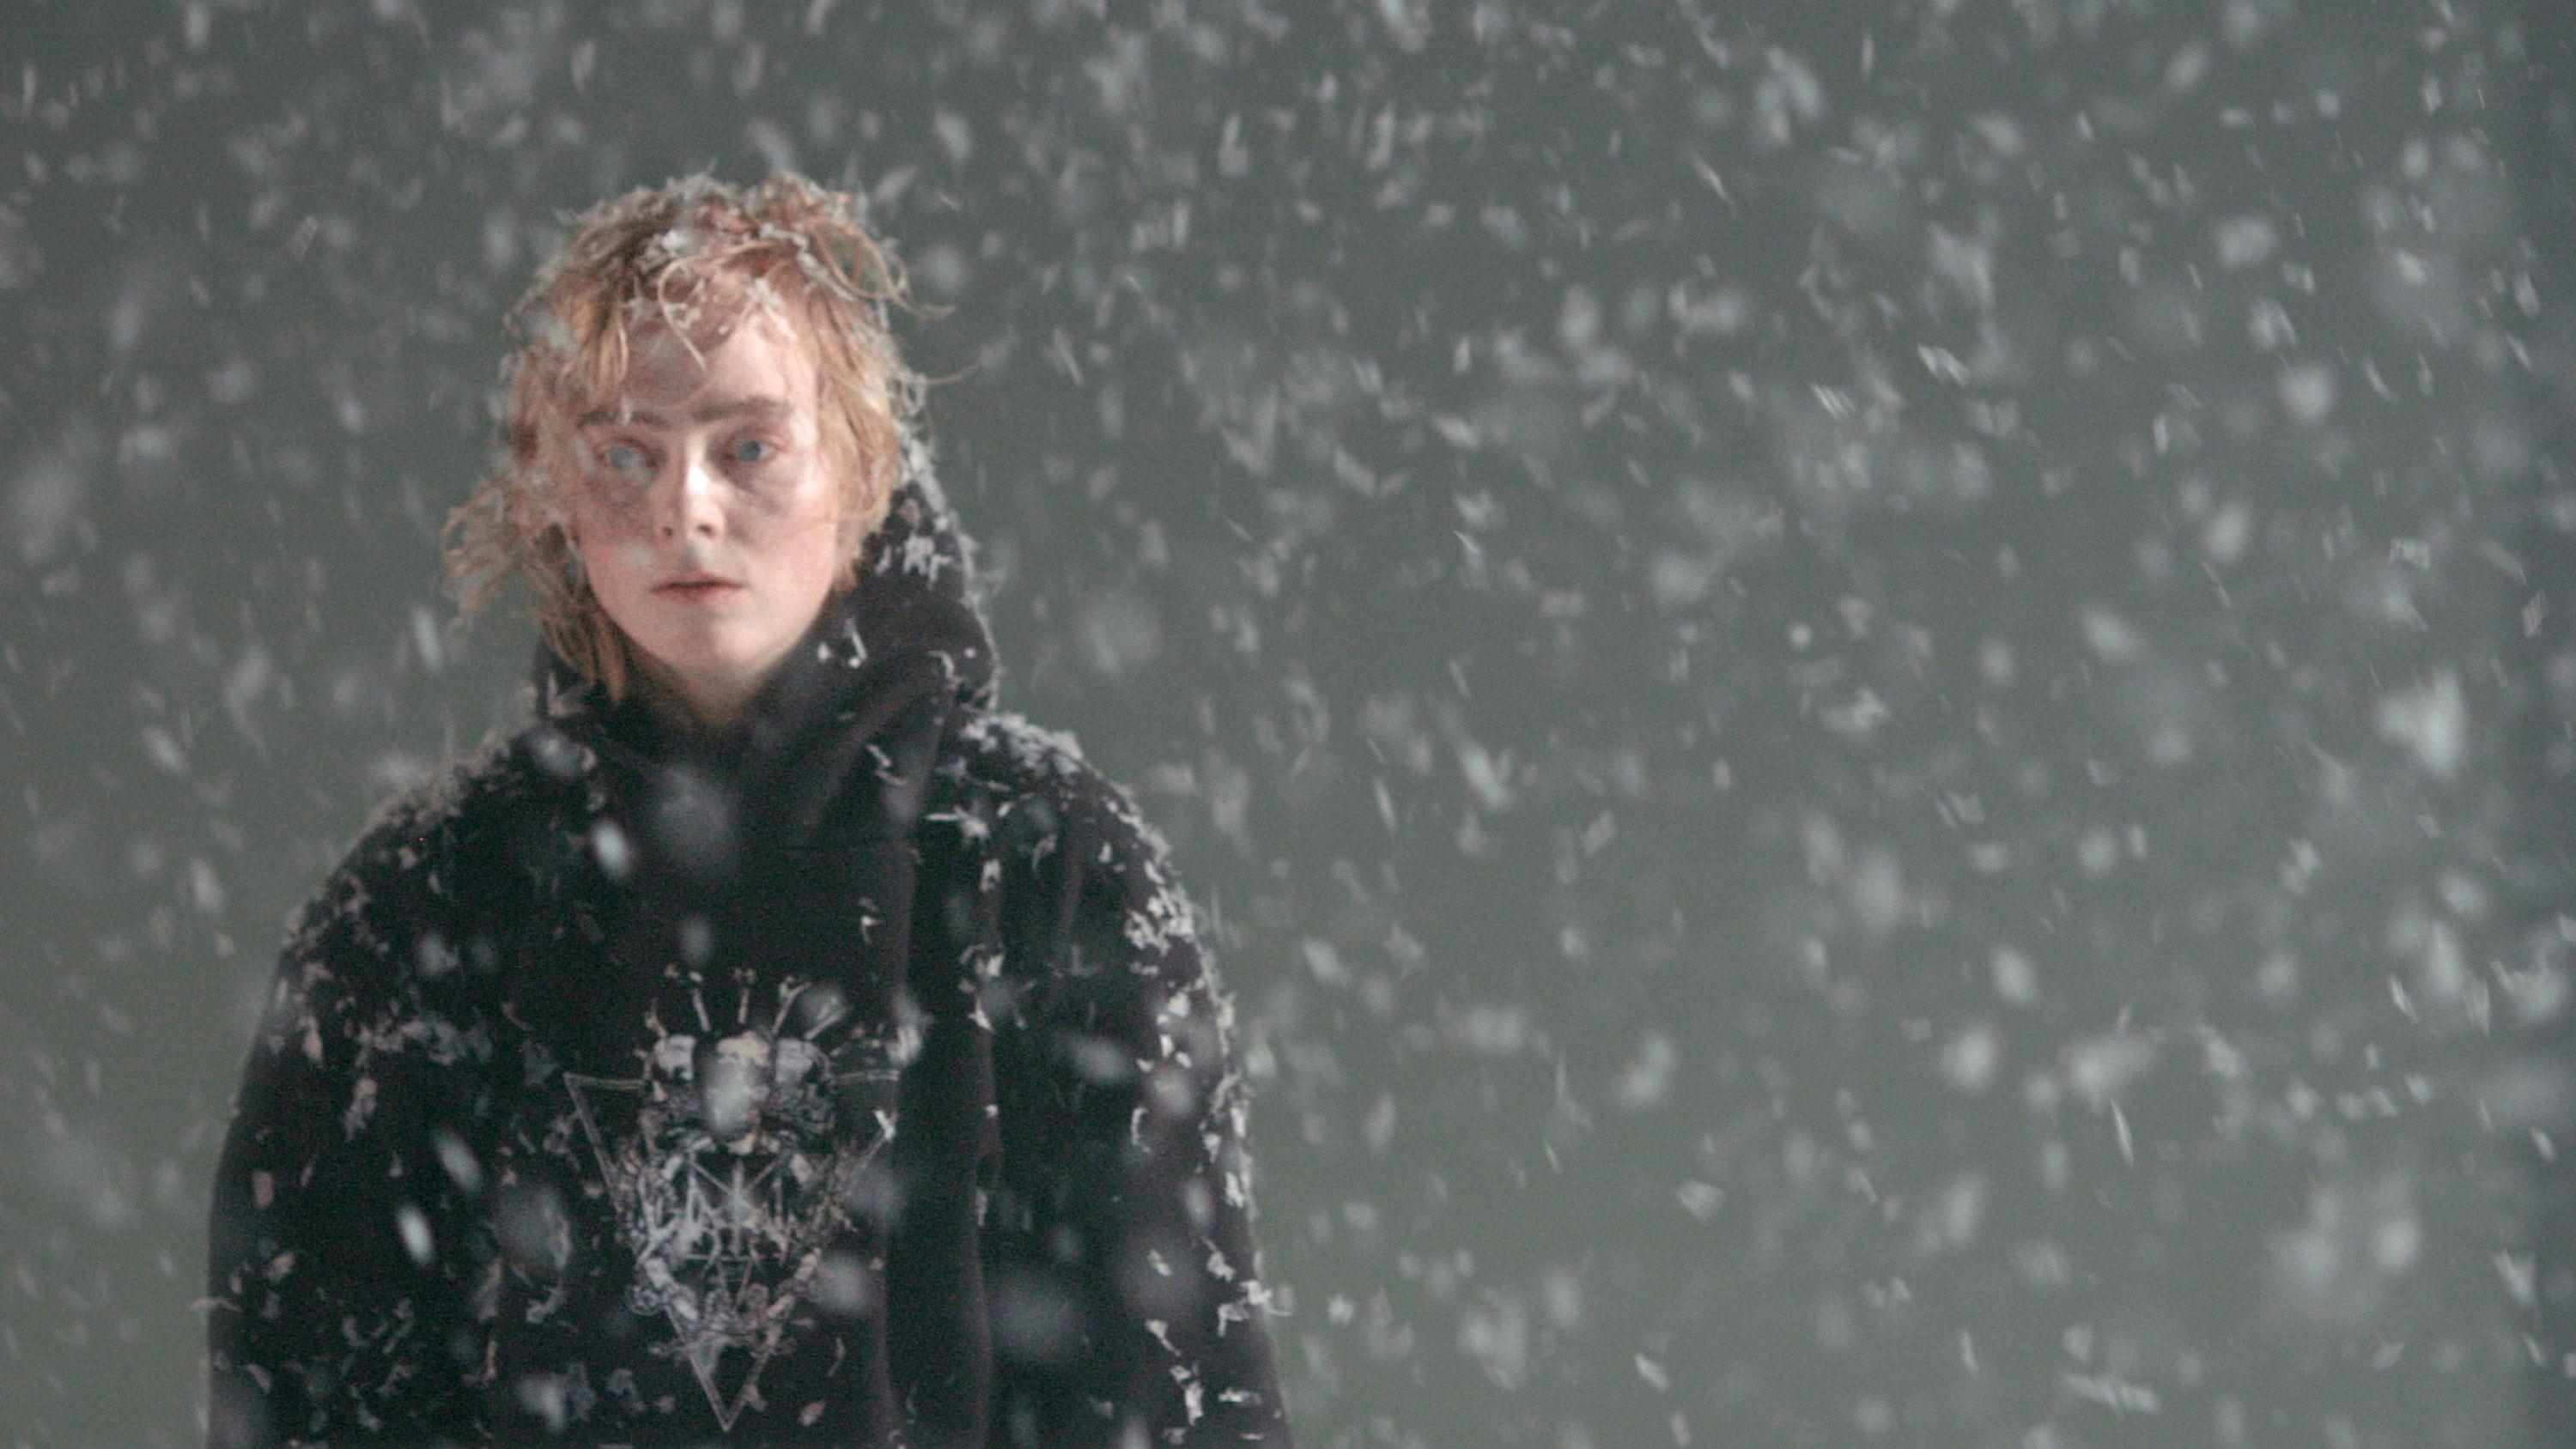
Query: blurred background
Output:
(1871,700)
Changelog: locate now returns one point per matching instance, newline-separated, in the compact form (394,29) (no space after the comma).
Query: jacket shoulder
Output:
(449,812)
(1040,796)
(424,854)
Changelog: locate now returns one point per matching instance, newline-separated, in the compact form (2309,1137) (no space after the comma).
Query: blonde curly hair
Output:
(698,257)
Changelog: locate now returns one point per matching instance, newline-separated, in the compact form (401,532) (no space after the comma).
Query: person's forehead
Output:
(762,364)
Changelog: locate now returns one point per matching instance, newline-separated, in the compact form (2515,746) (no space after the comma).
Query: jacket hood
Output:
(876,680)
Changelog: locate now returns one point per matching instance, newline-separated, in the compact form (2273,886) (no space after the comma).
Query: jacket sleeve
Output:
(1122,1268)
(325,1320)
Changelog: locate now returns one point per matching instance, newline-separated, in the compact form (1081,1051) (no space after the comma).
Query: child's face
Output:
(707,513)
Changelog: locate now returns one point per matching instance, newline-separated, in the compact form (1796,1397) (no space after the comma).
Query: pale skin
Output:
(708,515)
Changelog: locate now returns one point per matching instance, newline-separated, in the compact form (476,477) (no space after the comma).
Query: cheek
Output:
(613,549)
(590,509)
(818,554)
(804,531)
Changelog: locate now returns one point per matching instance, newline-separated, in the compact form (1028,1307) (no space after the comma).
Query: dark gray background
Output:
(1864,695)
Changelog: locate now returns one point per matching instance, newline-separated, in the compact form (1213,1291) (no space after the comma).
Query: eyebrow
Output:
(721,410)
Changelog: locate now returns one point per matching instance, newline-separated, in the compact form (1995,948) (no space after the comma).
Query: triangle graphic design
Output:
(706,1360)
(726,1243)
(581,1088)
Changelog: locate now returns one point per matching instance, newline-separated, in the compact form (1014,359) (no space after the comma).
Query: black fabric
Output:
(855,1081)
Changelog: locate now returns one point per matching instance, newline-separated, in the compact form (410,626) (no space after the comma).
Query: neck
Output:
(707,710)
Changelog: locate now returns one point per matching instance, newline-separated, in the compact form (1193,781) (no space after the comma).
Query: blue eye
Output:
(753,450)
(625,458)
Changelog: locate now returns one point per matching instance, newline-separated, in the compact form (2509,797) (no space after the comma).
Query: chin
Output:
(699,652)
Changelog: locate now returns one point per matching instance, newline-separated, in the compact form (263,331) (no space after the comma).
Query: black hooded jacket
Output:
(859,1083)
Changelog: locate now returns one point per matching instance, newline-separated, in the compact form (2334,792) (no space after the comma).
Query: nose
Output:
(692,505)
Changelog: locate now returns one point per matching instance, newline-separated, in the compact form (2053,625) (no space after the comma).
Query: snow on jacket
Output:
(860,1083)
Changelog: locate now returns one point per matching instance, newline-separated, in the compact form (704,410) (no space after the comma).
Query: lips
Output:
(696,586)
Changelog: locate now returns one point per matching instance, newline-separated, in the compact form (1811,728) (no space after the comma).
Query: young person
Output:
(771,1043)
